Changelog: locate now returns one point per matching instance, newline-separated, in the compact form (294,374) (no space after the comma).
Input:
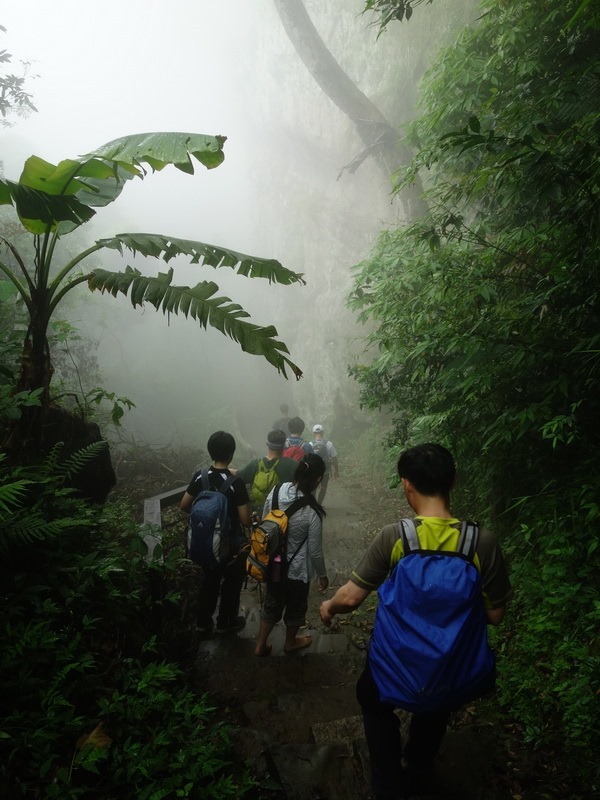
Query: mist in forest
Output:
(102,70)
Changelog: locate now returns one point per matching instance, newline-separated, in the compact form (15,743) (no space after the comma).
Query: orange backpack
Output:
(268,541)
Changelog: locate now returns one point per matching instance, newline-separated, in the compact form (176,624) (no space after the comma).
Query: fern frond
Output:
(11,494)
(77,461)
(53,457)
(31,526)
(22,528)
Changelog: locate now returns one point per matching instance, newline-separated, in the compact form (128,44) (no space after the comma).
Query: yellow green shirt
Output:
(435,534)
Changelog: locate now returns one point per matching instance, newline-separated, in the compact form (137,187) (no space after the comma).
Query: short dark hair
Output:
(221,446)
(296,425)
(429,467)
(276,440)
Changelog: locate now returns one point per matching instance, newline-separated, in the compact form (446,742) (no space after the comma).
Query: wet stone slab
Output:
(339,731)
(315,772)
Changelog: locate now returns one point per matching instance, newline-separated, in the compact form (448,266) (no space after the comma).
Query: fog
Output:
(102,70)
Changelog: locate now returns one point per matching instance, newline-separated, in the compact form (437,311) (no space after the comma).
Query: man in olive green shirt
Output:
(282,469)
(428,474)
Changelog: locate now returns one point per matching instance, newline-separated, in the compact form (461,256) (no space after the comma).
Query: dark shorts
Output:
(289,595)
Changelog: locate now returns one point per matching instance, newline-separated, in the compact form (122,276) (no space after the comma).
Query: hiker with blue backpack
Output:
(219,509)
(295,446)
(302,560)
(440,583)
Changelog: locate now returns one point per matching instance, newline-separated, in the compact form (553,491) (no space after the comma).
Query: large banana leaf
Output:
(40,211)
(167,247)
(159,149)
(97,178)
(199,303)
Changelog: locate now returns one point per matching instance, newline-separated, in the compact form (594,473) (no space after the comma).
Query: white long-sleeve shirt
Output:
(305,524)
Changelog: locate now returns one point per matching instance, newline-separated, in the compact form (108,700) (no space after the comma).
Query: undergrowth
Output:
(91,705)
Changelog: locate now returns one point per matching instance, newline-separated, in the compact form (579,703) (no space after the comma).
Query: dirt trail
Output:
(295,717)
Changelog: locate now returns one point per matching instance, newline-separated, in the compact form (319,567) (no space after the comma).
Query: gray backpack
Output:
(320,448)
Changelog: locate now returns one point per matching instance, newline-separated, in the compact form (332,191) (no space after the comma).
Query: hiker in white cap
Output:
(324,448)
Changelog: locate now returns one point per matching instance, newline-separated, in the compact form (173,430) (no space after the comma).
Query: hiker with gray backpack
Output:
(324,448)
(440,582)
(219,509)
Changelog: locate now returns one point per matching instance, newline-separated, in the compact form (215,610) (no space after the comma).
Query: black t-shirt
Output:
(237,494)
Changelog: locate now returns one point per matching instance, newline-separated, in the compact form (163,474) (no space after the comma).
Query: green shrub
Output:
(90,706)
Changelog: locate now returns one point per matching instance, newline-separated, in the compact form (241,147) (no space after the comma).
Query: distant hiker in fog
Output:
(303,559)
(262,474)
(281,424)
(225,579)
(295,446)
(324,448)
(441,582)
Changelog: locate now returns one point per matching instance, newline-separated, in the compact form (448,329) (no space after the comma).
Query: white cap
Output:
(317,429)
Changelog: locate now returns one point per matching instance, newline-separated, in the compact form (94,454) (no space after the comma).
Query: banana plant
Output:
(54,200)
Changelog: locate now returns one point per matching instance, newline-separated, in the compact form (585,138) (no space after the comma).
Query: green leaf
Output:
(199,303)
(167,247)
(40,211)
(159,149)
(97,178)
(12,493)
(7,290)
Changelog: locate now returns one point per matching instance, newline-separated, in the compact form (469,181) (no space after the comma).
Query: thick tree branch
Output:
(380,137)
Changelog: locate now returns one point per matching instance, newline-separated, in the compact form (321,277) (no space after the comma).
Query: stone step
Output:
(316,772)
(242,643)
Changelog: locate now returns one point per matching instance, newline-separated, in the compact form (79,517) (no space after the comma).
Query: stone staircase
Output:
(298,722)
(295,718)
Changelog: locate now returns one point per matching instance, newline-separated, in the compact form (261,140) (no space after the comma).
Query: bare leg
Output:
(293,642)
(262,648)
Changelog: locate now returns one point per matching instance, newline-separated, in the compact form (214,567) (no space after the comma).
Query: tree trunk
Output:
(380,137)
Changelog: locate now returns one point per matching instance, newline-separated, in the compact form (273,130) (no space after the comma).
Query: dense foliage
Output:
(91,705)
(485,325)
(14,98)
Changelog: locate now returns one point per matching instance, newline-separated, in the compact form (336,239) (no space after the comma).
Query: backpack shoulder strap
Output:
(204,479)
(275,498)
(408,534)
(299,503)
(223,488)
(469,536)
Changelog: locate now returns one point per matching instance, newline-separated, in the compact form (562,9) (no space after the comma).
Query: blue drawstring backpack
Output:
(429,649)
(209,532)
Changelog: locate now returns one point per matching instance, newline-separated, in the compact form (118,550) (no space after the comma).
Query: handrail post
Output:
(151,531)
